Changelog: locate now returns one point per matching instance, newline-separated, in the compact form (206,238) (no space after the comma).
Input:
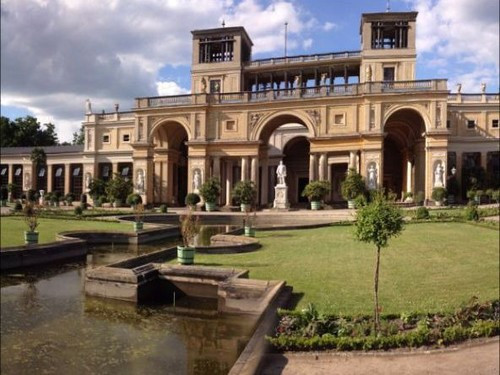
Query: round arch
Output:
(415,108)
(158,124)
(267,124)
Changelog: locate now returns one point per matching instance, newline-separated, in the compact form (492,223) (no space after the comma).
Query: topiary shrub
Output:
(471,212)
(210,190)
(353,185)
(192,199)
(439,194)
(163,209)
(78,211)
(316,190)
(244,192)
(134,199)
(422,213)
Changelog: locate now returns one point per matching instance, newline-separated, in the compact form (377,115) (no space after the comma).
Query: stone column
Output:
(216,169)
(114,168)
(67,178)
(329,178)
(229,181)
(165,182)
(11,174)
(264,183)
(352,159)
(322,166)
(50,178)
(254,170)
(244,168)
(408,177)
(312,167)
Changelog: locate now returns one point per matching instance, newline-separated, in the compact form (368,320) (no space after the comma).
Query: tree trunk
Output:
(377,314)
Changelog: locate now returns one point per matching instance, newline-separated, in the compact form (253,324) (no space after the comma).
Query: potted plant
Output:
(189,229)
(12,189)
(163,208)
(97,188)
(31,219)
(192,199)
(479,196)
(315,191)
(134,199)
(245,193)
(69,198)
(408,197)
(352,186)
(471,195)
(453,189)
(139,217)
(249,222)
(4,195)
(118,189)
(210,191)
(438,195)
(54,198)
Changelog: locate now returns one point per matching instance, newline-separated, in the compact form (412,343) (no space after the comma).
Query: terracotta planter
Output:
(185,255)
(30,238)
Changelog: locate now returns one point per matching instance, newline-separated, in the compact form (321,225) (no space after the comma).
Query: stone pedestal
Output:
(281,197)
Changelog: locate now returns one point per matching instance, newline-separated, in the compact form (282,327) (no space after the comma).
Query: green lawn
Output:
(12,228)
(430,267)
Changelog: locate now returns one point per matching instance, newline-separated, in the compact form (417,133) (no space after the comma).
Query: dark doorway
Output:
(303,181)
(393,167)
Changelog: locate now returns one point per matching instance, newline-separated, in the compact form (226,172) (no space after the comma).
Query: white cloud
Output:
(170,88)
(57,53)
(327,26)
(307,43)
(465,34)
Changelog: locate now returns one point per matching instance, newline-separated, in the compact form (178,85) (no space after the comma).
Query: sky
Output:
(57,53)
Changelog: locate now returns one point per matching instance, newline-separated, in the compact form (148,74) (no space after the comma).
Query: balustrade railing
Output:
(169,100)
(304,58)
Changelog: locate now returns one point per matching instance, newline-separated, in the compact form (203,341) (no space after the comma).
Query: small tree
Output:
(376,223)
(119,188)
(244,192)
(97,188)
(353,185)
(316,190)
(189,228)
(31,216)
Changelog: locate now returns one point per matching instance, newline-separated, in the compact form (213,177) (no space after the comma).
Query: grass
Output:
(430,267)
(12,228)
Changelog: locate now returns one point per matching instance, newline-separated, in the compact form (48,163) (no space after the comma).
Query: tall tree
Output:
(25,132)
(79,137)
(376,223)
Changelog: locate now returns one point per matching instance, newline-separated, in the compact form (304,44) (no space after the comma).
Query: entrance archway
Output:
(404,152)
(296,157)
(170,159)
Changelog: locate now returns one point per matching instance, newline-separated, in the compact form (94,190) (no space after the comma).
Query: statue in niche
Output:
(323,79)
(88,107)
(459,88)
(27,181)
(281,174)
(372,176)
(203,85)
(140,181)
(297,83)
(368,73)
(87,181)
(439,175)
(196,180)
(483,87)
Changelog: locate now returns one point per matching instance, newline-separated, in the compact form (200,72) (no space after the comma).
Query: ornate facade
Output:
(320,113)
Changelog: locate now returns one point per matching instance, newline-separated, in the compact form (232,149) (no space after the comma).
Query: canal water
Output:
(49,326)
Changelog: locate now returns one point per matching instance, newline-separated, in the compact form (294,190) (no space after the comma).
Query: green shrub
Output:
(422,213)
(471,212)
(419,198)
(353,185)
(192,199)
(97,188)
(210,190)
(316,190)
(495,196)
(163,208)
(78,211)
(244,192)
(118,188)
(360,201)
(439,194)
(134,199)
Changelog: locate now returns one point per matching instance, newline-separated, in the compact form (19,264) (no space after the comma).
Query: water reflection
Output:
(49,326)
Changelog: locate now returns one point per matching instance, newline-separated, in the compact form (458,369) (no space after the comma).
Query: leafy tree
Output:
(38,156)
(353,185)
(79,137)
(376,223)
(118,188)
(26,132)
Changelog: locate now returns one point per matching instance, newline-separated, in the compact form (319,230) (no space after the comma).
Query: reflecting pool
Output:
(49,326)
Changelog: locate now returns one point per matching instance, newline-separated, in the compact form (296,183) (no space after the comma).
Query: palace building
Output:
(321,114)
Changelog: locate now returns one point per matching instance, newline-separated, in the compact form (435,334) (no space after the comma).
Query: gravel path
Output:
(476,358)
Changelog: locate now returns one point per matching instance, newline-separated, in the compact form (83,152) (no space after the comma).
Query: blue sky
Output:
(57,53)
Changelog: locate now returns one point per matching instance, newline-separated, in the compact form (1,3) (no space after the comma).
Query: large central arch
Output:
(170,160)
(404,152)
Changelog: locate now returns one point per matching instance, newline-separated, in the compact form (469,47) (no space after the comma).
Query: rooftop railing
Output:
(396,87)
(474,98)
(304,58)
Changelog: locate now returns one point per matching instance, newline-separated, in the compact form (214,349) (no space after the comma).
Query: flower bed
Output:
(309,330)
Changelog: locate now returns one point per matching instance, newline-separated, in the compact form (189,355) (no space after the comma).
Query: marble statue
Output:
(439,175)
(203,85)
(117,107)
(323,79)
(41,200)
(459,88)
(140,181)
(368,73)
(483,87)
(281,173)
(196,180)
(297,83)
(87,181)
(88,107)
(27,181)
(453,171)
(372,176)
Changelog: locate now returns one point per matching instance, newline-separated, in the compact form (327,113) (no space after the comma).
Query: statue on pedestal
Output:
(140,181)
(281,173)
(439,175)
(372,176)
(88,107)
(196,180)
